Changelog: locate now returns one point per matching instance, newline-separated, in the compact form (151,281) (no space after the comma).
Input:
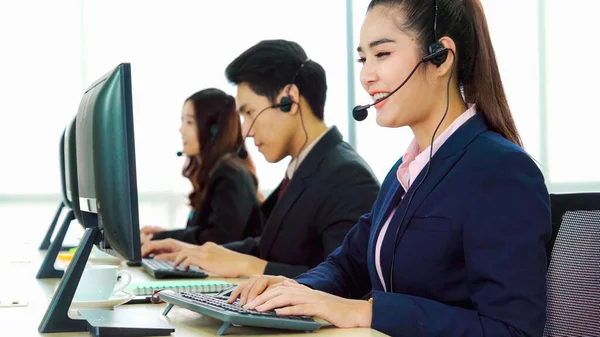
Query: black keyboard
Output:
(234,314)
(163,269)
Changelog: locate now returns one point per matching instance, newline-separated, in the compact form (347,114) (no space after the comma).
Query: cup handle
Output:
(123,282)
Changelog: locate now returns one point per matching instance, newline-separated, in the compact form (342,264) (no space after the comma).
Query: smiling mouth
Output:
(379,96)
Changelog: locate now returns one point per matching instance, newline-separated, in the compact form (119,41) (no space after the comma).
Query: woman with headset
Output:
(225,189)
(455,242)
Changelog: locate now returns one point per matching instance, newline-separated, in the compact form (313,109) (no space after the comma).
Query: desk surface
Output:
(18,282)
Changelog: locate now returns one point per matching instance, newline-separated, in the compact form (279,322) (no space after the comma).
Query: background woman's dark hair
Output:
(214,108)
(478,75)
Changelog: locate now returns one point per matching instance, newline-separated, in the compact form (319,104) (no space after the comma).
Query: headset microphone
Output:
(242,152)
(360,112)
(437,56)
(179,153)
(285,105)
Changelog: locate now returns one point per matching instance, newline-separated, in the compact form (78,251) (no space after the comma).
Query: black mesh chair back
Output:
(573,278)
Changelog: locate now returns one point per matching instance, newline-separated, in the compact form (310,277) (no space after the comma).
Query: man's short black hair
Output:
(270,65)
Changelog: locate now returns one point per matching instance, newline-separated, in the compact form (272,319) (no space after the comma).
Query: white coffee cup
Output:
(99,282)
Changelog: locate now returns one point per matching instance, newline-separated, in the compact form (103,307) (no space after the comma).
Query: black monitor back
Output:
(68,166)
(66,199)
(106,169)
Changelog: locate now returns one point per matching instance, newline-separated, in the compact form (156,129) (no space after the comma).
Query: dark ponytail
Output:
(483,86)
(478,75)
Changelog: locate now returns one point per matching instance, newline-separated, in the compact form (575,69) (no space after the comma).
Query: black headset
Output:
(285,104)
(437,52)
(438,55)
(214,130)
(214,127)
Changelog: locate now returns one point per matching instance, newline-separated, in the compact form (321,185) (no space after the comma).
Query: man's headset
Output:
(285,105)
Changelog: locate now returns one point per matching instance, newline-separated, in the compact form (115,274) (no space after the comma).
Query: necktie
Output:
(283,186)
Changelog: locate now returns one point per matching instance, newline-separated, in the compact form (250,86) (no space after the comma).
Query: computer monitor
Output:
(62,157)
(64,200)
(106,179)
(70,196)
(106,168)
(69,162)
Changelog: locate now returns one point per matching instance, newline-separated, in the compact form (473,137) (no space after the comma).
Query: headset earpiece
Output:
(285,104)
(214,129)
(437,54)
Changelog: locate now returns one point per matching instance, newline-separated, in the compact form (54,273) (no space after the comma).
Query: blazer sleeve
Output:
(232,201)
(504,234)
(247,246)
(169,234)
(349,197)
(345,272)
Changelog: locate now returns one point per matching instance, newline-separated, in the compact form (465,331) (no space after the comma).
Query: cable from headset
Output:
(435,15)
(301,116)
(399,233)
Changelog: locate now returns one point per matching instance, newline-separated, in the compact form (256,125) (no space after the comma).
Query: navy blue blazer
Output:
(472,259)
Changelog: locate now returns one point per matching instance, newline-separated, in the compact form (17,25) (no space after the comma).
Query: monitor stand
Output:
(47,269)
(56,318)
(48,238)
(101,322)
(125,323)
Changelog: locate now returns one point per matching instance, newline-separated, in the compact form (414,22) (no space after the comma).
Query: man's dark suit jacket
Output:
(331,189)
(224,215)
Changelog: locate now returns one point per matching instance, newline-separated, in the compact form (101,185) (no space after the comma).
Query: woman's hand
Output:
(249,290)
(164,248)
(147,233)
(292,299)
(151,229)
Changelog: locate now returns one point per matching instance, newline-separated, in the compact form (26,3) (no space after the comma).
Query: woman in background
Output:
(225,188)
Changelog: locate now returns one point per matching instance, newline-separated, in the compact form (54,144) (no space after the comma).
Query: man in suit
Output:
(327,186)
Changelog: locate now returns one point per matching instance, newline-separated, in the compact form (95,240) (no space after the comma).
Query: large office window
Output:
(175,47)
(51,51)
(40,86)
(572,92)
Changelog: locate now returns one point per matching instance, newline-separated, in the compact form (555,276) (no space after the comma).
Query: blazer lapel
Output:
(296,187)
(391,200)
(442,162)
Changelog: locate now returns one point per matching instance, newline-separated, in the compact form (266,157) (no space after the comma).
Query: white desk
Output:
(18,282)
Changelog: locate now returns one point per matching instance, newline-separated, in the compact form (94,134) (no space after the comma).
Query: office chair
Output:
(573,279)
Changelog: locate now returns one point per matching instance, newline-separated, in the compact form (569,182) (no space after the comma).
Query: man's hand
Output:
(216,259)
